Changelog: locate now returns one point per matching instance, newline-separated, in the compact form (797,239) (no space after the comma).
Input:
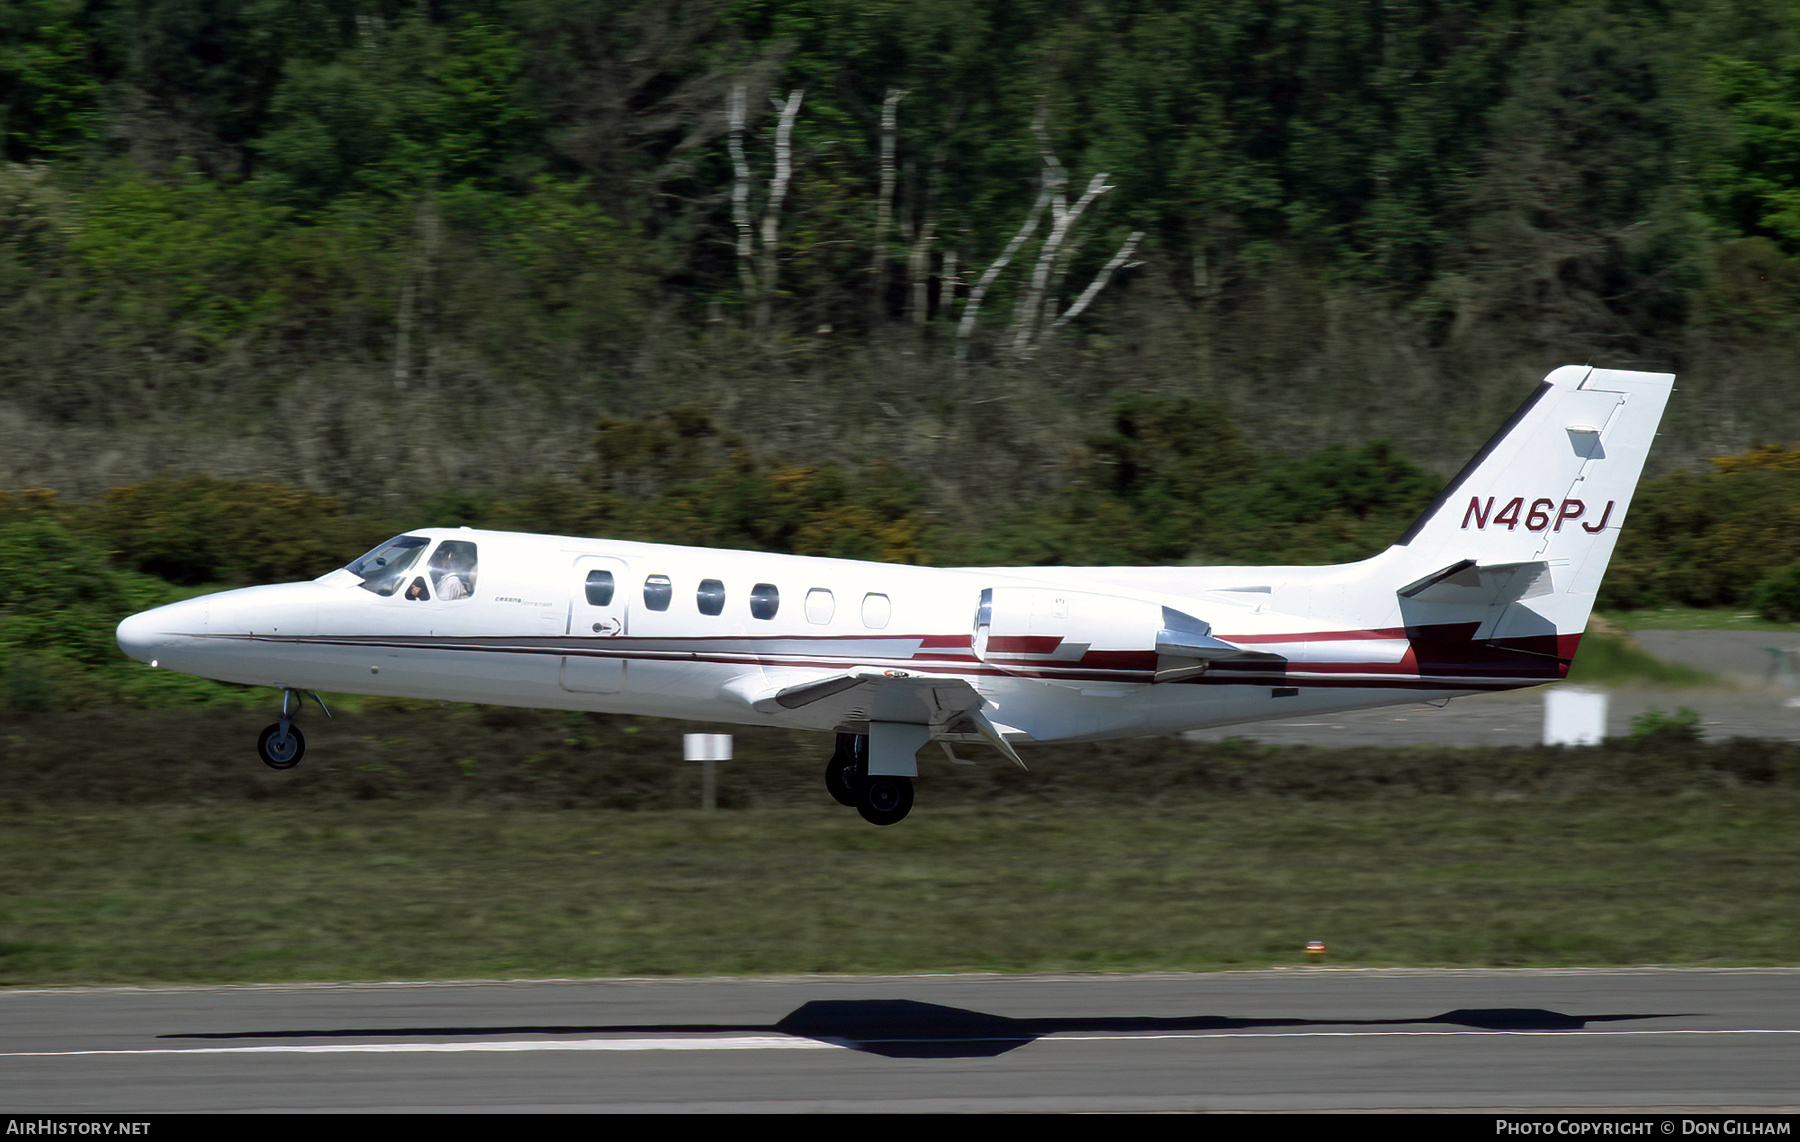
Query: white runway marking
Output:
(790,1043)
(731,1043)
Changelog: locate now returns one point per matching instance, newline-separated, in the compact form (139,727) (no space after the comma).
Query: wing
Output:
(949,706)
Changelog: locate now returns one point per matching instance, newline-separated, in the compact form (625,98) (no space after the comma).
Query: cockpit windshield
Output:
(382,569)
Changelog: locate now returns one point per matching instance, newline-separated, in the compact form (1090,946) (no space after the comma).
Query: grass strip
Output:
(184,893)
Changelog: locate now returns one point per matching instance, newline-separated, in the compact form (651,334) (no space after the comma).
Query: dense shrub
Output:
(195,529)
(1778,596)
(1708,540)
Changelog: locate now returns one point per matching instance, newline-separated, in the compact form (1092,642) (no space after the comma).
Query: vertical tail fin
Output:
(1523,534)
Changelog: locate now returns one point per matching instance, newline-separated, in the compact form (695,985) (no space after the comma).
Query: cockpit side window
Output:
(383,569)
(453,569)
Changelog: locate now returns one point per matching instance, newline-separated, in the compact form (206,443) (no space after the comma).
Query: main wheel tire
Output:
(841,780)
(885,800)
(281,750)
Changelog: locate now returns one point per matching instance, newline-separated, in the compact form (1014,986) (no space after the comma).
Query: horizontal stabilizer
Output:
(1186,648)
(1467,583)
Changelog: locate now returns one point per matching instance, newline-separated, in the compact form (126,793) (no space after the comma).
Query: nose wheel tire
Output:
(279,748)
(885,800)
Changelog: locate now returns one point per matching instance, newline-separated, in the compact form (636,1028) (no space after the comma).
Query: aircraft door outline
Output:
(599,611)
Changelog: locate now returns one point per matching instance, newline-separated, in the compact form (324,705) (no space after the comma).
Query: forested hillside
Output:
(393,250)
(952,281)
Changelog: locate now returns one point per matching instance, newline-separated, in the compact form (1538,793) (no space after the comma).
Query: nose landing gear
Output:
(282,745)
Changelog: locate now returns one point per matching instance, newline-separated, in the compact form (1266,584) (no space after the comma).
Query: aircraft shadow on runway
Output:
(909,1029)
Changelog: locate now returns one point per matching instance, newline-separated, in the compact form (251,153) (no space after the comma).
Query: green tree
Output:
(1755,184)
(49,91)
(411,109)
(182,261)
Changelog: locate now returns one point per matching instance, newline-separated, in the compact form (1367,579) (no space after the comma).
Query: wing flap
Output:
(946,705)
(872,694)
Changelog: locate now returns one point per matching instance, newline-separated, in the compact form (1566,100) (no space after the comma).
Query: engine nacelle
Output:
(1079,637)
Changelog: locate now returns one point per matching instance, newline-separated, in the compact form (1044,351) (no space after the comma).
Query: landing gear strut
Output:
(848,768)
(882,799)
(282,745)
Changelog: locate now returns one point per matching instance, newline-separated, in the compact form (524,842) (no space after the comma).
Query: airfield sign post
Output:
(1574,717)
(707,749)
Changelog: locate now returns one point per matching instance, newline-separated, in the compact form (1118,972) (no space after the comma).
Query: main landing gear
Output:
(881,799)
(282,745)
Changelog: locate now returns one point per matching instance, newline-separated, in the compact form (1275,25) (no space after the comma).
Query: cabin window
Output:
(819,606)
(765,600)
(384,569)
(876,611)
(417,592)
(599,588)
(453,569)
(658,592)
(711,597)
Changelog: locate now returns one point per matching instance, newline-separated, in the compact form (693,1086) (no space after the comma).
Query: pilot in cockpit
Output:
(453,569)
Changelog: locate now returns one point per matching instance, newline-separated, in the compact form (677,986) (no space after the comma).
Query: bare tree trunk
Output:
(740,194)
(430,234)
(1032,306)
(972,307)
(416,294)
(771,220)
(1100,279)
(403,322)
(884,205)
(947,281)
(918,269)
(1203,301)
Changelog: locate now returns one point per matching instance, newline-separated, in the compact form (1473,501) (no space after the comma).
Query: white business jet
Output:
(1489,589)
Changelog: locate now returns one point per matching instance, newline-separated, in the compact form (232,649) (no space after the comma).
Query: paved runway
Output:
(1755,700)
(1517,718)
(1641,1040)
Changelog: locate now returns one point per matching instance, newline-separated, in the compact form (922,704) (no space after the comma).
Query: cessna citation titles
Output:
(1490,589)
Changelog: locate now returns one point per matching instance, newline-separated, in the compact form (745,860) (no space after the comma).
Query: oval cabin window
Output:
(876,611)
(599,588)
(658,592)
(765,600)
(711,597)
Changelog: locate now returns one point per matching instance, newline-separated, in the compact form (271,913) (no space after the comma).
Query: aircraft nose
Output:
(144,635)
